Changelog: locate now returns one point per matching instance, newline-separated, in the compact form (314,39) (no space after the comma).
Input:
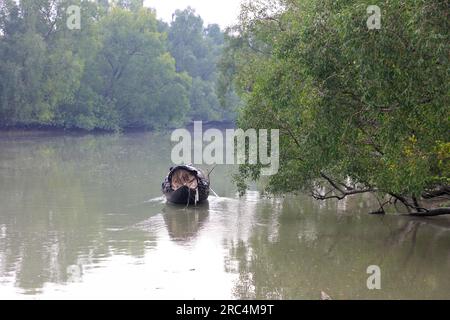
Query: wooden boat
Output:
(186,185)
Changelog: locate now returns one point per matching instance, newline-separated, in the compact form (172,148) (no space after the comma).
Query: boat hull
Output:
(185,195)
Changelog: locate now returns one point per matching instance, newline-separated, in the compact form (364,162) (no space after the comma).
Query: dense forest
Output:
(360,110)
(120,68)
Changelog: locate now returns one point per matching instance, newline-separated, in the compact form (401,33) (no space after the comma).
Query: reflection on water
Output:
(76,222)
(184,224)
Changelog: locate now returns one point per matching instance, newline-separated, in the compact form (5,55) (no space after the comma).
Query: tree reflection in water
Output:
(324,251)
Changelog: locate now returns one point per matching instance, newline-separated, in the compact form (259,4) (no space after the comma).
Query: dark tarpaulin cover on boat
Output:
(192,185)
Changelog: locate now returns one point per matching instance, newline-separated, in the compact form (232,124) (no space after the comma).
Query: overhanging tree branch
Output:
(340,190)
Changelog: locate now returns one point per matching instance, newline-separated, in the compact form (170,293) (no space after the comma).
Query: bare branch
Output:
(343,193)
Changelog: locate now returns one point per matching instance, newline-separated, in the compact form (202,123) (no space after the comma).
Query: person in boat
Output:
(182,178)
(186,184)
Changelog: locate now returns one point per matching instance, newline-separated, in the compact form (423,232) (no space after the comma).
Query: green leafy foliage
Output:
(197,51)
(367,109)
(122,69)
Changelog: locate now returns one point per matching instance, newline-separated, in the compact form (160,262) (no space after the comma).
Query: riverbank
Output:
(40,129)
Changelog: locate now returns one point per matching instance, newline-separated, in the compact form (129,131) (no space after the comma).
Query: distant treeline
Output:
(122,68)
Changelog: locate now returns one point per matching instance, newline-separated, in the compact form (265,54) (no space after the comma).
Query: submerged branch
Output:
(341,190)
(431,213)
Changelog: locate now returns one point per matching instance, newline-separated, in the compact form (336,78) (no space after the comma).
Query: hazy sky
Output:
(223,12)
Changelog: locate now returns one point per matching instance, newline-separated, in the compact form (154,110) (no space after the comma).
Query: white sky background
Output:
(222,12)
